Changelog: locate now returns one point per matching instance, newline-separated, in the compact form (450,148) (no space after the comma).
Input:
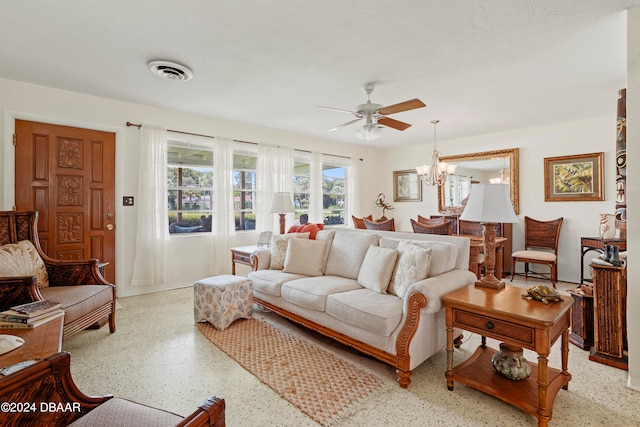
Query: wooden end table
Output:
(39,342)
(506,316)
(241,255)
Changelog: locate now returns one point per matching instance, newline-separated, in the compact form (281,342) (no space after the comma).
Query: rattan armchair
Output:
(540,247)
(444,228)
(86,296)
(46,395)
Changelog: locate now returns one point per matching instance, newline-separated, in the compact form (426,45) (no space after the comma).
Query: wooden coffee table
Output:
(39,342)
(506,316)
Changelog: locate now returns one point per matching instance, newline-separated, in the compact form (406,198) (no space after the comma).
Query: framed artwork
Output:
(573,178)
(407,186)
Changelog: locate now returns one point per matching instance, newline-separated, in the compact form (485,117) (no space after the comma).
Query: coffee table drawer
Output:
(494,328)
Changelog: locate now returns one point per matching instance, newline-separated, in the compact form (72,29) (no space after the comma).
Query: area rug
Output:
(315,381)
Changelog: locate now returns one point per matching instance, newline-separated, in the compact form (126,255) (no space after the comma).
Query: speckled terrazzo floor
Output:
(158,357)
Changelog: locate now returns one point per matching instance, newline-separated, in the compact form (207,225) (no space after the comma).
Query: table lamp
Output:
(282,205)
(489,204)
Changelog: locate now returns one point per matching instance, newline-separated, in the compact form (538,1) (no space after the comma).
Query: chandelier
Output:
(436,173)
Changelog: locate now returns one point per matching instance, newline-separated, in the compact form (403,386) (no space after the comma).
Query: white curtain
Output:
(274,173)
(317,199)
(223,225)
(150,263)
(352,186)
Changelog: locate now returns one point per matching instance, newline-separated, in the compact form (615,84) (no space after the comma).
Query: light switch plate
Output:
(127,201)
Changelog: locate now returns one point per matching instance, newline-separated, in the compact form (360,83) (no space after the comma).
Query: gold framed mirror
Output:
(499,166)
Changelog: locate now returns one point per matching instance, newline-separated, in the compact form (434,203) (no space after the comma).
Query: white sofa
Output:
(322,286)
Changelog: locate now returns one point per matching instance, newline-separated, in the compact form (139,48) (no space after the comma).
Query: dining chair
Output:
(431,221)
(444,228)
(388,225)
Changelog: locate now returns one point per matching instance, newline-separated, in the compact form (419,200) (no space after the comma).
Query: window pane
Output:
(333,198)
(244,186)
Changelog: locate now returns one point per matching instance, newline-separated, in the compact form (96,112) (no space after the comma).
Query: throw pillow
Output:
(22,259)
(377,268)
(305,257)
(279,244)
(412,266)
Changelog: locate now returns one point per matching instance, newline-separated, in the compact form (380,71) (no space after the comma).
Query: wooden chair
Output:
(444,228)
(48,382)
(540,247)
(388,225)
(359,222)
(431,221)
(84,305)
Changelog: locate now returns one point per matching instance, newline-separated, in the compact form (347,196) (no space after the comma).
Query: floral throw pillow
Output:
(22,259)
(411,267)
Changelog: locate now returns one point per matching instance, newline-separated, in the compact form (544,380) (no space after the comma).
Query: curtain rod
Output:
(138,125)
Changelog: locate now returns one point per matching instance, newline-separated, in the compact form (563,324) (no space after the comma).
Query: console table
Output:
(241,255)
(588,244)
(506,316)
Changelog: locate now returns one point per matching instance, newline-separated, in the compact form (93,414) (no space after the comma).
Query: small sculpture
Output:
(543,293)
(385,206)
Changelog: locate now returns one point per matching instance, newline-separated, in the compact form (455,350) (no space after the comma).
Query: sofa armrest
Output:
(434,288)
(18,290)
(261,259)
(69,273)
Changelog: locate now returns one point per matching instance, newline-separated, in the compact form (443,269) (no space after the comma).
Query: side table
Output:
(506,316)
(241,255)
(588,244)
(39,342)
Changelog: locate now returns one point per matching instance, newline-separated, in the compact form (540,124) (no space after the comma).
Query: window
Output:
(244,190)
(190,187)
(333,192)
(301,186)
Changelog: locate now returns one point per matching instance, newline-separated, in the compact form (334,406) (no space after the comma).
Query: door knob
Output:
(109,227)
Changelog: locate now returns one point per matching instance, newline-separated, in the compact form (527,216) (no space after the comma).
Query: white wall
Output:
(633,194)
(534,144)
(38,103)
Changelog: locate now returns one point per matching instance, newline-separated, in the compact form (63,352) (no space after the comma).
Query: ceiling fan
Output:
(375,115)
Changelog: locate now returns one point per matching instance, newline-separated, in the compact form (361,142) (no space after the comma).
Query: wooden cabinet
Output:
(472,228)
(610,316)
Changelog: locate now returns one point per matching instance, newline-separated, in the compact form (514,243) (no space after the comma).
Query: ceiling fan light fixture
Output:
(170,70)
(369,132)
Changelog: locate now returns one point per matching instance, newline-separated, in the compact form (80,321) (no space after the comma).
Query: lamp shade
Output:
(281,203)
(489,203)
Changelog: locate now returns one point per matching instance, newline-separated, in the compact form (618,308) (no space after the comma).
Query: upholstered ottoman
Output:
(220,300)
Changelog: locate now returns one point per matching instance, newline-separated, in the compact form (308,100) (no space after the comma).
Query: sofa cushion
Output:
(78,300)
(22,259)
(326,236)
(270,281)
(443,255)
(377,268)
(347,253)
(371,311)
(279,244)
(312,292)
(117,411)
(412,266)
(305,257)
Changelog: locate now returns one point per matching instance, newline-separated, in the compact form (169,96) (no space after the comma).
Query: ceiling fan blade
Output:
(337,109)
(392,123)
(412,104)
(344,124)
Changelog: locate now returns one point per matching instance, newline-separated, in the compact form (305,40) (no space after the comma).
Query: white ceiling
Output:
(480,66)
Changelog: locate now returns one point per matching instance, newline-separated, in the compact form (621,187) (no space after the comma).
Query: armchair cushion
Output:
(22,259)
(115,411)
(78,300)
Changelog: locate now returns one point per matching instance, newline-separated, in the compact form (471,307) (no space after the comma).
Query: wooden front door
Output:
(67,174)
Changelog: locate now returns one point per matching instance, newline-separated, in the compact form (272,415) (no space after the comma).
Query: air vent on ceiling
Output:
(170,70)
